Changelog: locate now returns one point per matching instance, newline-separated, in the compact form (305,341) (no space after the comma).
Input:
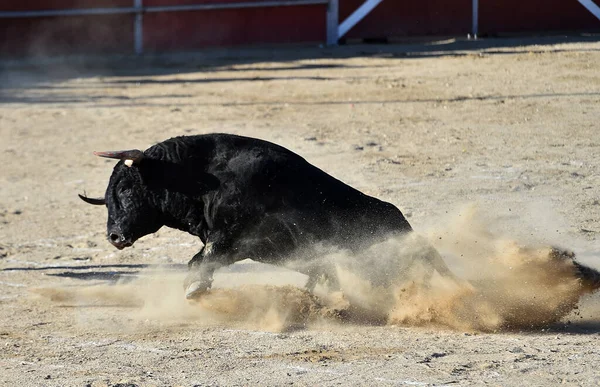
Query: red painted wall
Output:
(442,17)
(168,31)
(81,34)
(196,29)
(33,5)
(395,18)
(61,35)
(510,16)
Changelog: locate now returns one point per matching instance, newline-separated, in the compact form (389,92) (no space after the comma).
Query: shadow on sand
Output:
(41,80)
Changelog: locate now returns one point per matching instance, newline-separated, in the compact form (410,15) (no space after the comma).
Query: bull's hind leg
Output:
(326,270)
(589,278)
(433,262)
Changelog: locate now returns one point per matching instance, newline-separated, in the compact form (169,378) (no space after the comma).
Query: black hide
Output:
(244,198)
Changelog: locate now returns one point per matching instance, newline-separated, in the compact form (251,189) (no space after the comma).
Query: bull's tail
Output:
(589,278)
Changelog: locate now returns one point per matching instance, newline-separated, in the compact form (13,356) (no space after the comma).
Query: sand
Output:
(489,148)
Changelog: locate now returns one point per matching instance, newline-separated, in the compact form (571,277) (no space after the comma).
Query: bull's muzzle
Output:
(119,241)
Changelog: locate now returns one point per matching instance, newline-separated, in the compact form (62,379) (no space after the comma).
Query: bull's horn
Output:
(130,156)
(94,201)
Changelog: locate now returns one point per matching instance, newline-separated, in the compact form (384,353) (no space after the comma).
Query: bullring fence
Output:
(39,26)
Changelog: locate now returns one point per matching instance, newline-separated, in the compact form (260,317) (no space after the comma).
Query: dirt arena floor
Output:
(491,143)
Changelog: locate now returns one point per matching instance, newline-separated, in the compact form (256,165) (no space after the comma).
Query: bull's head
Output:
(131,213)
(144,193)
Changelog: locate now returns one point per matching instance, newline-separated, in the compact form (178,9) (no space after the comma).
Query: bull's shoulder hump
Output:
(248,144)
(179,149)
(209,147)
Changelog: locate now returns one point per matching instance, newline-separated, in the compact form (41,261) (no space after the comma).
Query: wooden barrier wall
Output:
(189,30)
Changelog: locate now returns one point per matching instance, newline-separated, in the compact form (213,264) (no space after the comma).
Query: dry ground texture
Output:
(485,146)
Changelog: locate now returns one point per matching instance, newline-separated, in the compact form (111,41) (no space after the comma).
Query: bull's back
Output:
(265,180)
(326,207)
(320,206)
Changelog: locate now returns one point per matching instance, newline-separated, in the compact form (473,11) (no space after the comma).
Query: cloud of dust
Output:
(501,285)
(514,285)
(158,296)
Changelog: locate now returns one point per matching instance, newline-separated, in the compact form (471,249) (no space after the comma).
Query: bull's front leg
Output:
(202,266)
(199,279)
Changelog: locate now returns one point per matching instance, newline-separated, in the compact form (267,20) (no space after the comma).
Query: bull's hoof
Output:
(196,289)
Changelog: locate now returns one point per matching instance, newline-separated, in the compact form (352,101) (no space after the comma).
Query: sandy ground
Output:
(509,125)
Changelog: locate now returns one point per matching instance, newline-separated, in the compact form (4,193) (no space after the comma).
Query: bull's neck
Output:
(183,213)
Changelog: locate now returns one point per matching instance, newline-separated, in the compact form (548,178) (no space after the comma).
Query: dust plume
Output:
(503,285)
(492,283)
(515,285)
(158,297)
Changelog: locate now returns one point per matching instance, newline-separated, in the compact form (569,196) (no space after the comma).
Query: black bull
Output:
(244,198)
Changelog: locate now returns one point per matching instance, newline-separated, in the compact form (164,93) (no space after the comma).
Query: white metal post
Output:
(357,16)
(591,6)
(475,20)
(138,28)
(333,9)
